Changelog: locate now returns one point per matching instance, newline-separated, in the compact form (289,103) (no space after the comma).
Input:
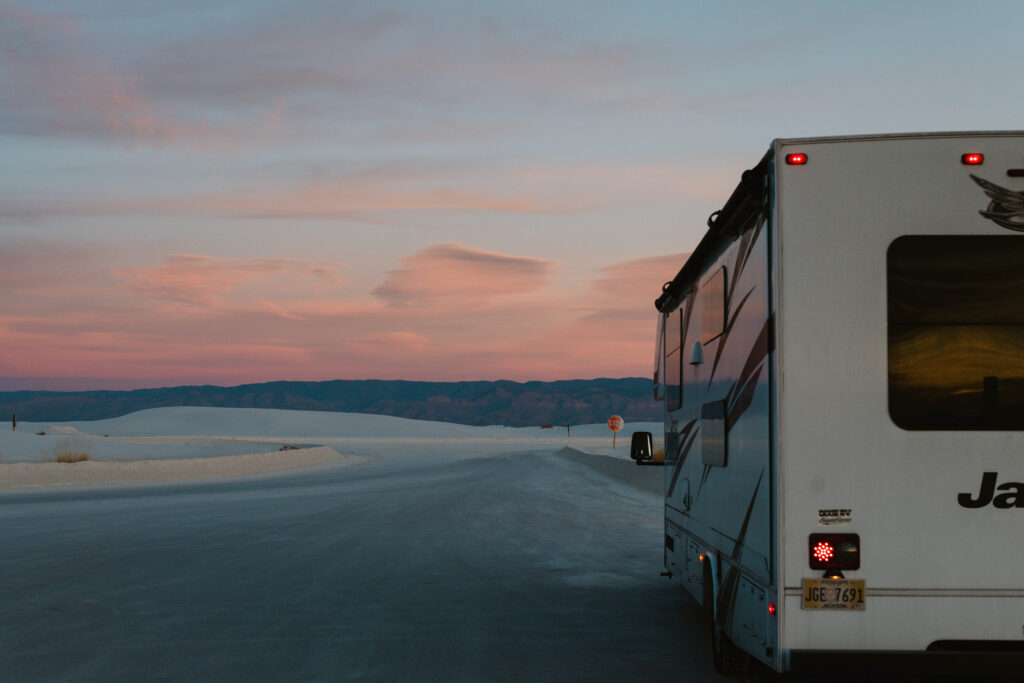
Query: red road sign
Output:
(615,423)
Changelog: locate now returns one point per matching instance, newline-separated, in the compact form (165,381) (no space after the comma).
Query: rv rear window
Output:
(956,332)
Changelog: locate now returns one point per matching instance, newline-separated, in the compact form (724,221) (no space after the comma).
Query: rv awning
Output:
(746,201)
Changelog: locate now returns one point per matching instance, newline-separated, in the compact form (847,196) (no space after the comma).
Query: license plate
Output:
(833,594)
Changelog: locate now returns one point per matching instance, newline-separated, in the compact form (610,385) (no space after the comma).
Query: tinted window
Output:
(712,307)
(673,363)
(956,332)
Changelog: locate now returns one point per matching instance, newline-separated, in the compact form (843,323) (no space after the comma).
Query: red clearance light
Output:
(796,159)
(972,159)
(772,609)
(834,551)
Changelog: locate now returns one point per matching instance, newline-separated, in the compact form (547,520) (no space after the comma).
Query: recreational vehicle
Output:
(841,361)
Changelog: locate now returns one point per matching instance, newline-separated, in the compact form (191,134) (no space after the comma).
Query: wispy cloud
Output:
(305,71)
(611,333)
(409,189)
(200,280)
(58,81)
(457,276)
(31,268)
(450,311)
(626,284)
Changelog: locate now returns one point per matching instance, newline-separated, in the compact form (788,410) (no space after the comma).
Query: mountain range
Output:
(515,404)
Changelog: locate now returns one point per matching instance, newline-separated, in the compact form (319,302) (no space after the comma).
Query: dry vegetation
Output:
(71,450)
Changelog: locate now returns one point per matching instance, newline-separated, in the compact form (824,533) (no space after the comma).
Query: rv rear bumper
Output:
(997,659)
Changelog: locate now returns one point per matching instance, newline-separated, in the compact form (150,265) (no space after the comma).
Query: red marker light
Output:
(772,609)
(796,159)
(972,159)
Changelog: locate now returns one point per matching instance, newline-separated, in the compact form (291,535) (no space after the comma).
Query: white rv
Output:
(842,365)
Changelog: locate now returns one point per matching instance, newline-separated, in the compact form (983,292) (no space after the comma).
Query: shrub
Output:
(70,450)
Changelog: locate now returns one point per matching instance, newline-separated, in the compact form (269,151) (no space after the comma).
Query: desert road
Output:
(441,565)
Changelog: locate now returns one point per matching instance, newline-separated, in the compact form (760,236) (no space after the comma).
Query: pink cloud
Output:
(453,275)
(625,284)
(279,310)
(355,196)
(612,334)
(201,280)
(532,189)
(343,199)
(472,314)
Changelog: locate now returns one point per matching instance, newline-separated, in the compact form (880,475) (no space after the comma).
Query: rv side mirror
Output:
(642,447)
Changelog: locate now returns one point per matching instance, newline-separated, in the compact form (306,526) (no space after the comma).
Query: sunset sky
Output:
(200,192)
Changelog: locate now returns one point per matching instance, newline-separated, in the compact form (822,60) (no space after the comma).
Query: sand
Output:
(190,443)
(95,472)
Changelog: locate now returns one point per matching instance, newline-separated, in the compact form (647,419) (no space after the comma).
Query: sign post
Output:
(615,423)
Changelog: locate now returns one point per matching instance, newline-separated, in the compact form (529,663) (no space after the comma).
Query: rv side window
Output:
(712,307)
(956,332)
(673,364)
(659,360)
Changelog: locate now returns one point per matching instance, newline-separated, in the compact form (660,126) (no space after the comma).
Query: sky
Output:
(205,192)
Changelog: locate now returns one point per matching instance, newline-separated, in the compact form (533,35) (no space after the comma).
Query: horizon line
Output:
(87,384)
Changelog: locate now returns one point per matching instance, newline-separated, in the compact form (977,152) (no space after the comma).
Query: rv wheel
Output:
(727,658)
(719,647)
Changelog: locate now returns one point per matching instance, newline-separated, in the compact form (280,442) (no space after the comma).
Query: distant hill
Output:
(516,404)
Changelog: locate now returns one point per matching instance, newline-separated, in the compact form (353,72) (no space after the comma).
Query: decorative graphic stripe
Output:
(739,401)
(703,478)
(725,335)
(684,449)
(746,248)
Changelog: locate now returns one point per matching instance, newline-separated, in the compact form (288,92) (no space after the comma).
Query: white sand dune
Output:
(63,430)
(93,472)
(182,443)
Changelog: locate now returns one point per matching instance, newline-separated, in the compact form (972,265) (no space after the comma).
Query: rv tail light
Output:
(796,159)
(834,551)
(972,159)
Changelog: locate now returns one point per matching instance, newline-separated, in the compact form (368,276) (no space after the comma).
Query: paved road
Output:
(516,566)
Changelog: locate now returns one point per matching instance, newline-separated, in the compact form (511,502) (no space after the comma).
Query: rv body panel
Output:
(819,405)
(924,556)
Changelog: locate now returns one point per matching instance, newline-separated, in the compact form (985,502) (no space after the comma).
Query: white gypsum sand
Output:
(187,443)
(98,472)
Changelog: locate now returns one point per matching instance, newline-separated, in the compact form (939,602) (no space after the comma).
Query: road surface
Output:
(432,566)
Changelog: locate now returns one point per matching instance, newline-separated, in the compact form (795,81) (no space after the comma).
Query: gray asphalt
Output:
(520,566)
